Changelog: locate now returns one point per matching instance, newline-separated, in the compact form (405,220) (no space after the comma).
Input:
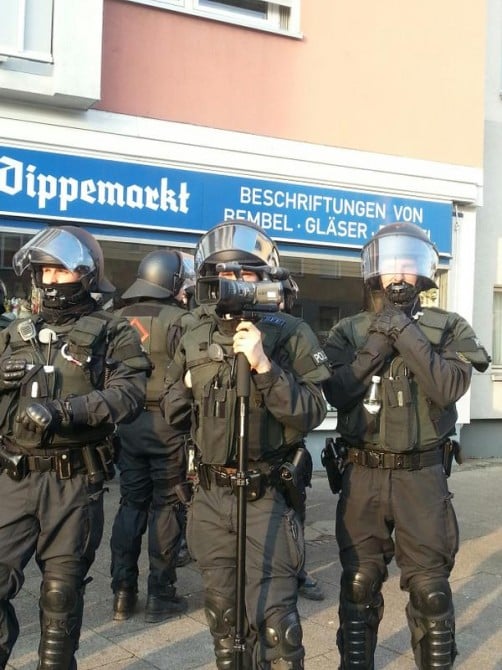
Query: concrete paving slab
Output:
(184,642)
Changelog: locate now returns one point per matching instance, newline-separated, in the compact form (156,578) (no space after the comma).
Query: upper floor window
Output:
(282,16)
(26,29)
(50,51)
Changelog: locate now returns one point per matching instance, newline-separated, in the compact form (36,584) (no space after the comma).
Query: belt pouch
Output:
(15,465)
(217,425)
(92,465)
(105,455)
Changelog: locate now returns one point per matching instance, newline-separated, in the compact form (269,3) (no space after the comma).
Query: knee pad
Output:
(61,604)
(361,610)
(361,587)
(431,598)
(58,597)
(282,636)
(220,615)
(431,620)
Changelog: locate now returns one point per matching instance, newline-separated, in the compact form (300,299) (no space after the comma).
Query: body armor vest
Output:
(153,321)
(210,359)
(408,420)
(74,364)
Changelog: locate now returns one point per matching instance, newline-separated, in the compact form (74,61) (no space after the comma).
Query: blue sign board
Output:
(53,186)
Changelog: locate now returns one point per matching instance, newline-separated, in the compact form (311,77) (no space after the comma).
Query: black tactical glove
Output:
(12,371)
(46,418)
(379,343)
(391,321)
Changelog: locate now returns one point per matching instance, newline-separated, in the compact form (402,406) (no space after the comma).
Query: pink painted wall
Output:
(396,78)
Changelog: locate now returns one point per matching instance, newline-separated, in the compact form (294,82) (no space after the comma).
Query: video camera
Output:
(235,296)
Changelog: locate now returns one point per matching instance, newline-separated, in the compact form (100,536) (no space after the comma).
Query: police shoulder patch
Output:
(319,357)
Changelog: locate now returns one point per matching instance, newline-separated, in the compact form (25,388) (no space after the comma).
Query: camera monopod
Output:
(243,382)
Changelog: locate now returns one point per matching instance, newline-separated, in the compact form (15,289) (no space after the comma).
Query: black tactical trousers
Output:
(274,558)
(61,523)
(151,463)
(383,513)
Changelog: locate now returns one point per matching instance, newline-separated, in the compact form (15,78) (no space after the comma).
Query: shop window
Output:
(281,16)
(26,29)
(497,327)
(18,288)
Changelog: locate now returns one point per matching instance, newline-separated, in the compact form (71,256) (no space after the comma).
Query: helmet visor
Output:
(236,242)
(54,246)
(399,255)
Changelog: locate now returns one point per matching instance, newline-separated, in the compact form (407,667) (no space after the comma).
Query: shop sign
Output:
(55,186)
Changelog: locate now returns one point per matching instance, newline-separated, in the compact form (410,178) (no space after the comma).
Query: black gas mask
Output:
(402,295)
(63,296)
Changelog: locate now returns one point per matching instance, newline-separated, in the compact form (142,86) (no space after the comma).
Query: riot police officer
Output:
(152,457)
(67,377)
(286,368)
(397,373)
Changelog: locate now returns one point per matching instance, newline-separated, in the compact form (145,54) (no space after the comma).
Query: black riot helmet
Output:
(70,247)
(75,250)
(235,241)
(162,274)
(397,249)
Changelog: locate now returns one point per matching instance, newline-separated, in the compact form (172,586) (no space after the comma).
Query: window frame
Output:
(497,328)
(270,24)
(28,27)
(73,77)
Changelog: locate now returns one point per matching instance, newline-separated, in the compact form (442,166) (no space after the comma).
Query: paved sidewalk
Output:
(184,643)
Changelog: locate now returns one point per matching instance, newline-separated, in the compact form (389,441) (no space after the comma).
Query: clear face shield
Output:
(399,256)
(236,242)
(54,246)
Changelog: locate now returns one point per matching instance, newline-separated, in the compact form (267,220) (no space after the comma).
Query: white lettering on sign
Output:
(312,202)
(334,228)
(266,220)
(407,214)
(17,178)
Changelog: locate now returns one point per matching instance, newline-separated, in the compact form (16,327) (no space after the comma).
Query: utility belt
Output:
(392,461)
(226,477)
(290,477)
(96,461)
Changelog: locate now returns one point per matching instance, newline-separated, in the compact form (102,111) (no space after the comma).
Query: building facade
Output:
(148,121)
(484,433)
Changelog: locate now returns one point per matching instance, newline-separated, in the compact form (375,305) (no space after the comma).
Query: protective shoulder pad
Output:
(466,343)
(461,337)
(126,344)
(296,337)
(434,323)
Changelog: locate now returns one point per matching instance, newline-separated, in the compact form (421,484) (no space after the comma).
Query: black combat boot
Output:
(162,606)
(124,602)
